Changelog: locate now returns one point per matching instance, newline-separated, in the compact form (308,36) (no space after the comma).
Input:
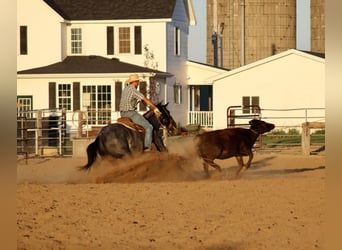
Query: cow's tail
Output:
(91,153)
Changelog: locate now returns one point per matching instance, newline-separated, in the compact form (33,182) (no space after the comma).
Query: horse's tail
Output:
(91,153)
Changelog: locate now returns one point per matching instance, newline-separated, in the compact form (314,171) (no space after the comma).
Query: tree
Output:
(152,64)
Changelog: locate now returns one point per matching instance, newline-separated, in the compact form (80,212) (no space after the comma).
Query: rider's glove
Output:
(157,112)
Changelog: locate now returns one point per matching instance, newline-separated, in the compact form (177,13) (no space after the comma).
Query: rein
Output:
(150,113)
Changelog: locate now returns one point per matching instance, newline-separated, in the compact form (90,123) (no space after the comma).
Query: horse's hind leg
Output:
(205,167)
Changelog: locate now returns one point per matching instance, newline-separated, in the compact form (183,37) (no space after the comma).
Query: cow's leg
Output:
(239,160)
(250,158)
(247,165)
(211,163)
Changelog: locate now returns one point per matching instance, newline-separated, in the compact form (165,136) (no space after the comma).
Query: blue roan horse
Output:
(118,140)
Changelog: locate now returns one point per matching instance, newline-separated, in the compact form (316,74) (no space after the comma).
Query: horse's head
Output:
(166,119)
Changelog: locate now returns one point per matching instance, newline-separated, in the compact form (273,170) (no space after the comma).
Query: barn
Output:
(289,88)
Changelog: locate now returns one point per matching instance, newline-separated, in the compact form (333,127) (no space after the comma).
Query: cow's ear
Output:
(250,122)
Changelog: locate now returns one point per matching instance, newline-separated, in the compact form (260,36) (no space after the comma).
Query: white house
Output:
(283,85)
(76,54)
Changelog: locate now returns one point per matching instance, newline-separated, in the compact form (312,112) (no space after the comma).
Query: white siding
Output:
(199,74)
(43,34)
(176,64)
(95,41)
(290,81)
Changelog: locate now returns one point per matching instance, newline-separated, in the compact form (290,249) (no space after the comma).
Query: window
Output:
(23,40)
(250,104)
(177,93)
(124,40)
(76,41)
(24,104)
(64,96)
(97,101)
(177,41)
(110,40)
(137,40)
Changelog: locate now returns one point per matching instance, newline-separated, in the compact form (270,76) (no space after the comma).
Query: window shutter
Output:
(143,90)
(245,104)
(137,40)
(118,94)
(76,96)
(177,41)
(23,40)
(52,95)
(255,101)
(110,40)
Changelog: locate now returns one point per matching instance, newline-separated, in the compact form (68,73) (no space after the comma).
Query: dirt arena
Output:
(164,201)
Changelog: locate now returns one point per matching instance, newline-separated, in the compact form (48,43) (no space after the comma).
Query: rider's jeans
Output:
(140,120)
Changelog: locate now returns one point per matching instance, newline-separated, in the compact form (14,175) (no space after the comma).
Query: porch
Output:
(203,118)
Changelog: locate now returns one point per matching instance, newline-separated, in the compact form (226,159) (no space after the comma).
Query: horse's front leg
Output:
(211,163)
(158,141)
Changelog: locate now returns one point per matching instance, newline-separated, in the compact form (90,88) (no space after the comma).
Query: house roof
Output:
(90,65)
(112,9)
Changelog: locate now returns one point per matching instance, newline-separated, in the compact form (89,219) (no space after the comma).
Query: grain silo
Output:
(317,19)
(240,32)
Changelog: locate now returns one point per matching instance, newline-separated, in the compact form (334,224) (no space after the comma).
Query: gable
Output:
(112,10)
(276,61)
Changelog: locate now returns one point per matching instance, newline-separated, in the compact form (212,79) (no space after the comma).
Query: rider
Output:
(128,105)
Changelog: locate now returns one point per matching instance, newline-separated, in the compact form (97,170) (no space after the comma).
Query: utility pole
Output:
(214,42)
(221,42)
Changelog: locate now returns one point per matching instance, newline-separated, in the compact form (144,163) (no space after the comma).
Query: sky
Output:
(197,33)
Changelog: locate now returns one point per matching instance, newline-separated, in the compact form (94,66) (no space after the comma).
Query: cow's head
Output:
(260,127)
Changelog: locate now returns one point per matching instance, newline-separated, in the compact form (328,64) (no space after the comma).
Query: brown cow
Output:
(229,142)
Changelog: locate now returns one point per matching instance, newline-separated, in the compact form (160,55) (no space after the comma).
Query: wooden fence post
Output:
(305,138)
(306,126)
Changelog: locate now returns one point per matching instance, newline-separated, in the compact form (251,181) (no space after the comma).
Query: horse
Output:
(119,140)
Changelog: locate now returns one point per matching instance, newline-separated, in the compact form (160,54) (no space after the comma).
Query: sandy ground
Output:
(164,201)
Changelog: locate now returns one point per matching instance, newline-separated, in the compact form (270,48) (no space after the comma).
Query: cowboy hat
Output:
(133,78)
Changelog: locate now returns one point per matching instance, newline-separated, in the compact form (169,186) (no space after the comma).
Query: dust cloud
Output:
(179,164)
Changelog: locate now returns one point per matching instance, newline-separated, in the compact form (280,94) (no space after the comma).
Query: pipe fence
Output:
(51,132)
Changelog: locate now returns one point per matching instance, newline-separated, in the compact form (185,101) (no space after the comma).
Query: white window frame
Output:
(24,104)
(64,96)
(130,39)
(101,113)
(76,45)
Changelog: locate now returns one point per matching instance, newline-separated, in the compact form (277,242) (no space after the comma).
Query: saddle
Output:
(127,122)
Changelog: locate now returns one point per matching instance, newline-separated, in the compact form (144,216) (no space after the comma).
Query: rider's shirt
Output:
(130,98)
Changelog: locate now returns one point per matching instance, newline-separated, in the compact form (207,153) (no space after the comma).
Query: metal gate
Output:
(239,116)
(41,132)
